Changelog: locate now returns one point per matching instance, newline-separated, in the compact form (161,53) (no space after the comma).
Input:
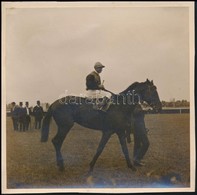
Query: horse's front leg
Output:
(103,141)
(121,136)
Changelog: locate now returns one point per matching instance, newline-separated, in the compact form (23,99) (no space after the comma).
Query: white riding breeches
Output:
(97,94)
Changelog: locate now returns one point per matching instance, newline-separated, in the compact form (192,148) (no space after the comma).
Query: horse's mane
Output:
(130,88)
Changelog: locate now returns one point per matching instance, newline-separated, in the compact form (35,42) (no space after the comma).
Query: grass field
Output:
(32,164)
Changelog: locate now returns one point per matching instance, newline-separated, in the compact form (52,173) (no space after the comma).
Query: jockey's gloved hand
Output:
(101,87)
(145,106)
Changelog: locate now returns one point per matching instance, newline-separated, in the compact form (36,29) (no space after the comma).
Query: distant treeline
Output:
(176,104)
(168,110)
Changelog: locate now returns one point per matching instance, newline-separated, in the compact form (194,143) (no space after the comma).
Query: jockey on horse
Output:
(96,90)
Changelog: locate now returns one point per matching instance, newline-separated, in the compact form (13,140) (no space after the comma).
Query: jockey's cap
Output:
(98,65)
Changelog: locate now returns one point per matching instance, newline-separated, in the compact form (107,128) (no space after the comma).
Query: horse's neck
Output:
(123,103)
(132,87)
(132,95)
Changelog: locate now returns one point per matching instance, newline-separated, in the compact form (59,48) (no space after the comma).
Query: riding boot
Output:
(128,136)
(104,106)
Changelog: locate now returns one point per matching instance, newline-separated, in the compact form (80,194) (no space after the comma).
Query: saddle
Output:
(101,104)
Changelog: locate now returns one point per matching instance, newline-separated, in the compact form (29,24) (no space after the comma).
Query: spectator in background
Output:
(21,117)
(14,115)
(38,114)
(27,120)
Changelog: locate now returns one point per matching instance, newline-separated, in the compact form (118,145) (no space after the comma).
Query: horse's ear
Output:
(147,80)
(152,82)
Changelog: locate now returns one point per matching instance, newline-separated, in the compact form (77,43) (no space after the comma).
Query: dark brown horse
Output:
(66,111)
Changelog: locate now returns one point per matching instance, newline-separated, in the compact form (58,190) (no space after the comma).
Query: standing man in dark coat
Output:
(14,115)
(38,114)
(21,116)
(27,116)
(141,141)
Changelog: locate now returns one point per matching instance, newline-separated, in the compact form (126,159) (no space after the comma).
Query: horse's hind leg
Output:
(103,141)
(58,141)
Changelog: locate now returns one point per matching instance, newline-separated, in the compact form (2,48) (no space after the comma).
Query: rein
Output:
(109,91)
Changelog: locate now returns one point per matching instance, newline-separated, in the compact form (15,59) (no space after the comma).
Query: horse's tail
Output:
(45,125)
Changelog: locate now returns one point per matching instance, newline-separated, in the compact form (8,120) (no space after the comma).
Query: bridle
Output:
(148,90)
(151,90)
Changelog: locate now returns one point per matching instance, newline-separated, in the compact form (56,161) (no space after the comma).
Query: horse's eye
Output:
(154,87)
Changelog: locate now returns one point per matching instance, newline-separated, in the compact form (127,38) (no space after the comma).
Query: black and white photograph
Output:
(98,97)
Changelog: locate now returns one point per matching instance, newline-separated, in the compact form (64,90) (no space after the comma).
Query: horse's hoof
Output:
(90,171)
(133,169)
(60,165)
(61,168)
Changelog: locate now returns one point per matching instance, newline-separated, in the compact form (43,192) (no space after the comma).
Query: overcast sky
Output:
(51,50)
